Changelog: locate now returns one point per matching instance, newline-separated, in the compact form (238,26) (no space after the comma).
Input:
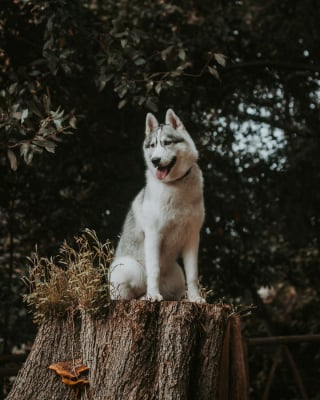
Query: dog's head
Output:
(169,150)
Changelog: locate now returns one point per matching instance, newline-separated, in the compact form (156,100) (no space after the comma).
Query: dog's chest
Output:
(173,212)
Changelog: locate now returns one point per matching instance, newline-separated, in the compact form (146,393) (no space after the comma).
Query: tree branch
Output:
(275,64)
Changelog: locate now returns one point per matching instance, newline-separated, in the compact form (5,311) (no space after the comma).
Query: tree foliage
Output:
(243,76)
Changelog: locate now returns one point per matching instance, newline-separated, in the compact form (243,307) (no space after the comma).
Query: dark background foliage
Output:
(76,80)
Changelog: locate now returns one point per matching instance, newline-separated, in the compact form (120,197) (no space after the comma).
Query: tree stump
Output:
(139,350)
(91,348)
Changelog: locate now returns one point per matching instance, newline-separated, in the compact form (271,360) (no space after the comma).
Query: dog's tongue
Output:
(161,173)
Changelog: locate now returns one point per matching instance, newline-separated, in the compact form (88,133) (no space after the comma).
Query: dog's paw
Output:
(152,297)
(155,297)
(197,299)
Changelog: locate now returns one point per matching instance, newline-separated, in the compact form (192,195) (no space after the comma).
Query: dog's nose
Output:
(156,161)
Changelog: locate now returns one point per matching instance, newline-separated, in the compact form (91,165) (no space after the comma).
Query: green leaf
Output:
(73,122)
(121,90)
(102,80)
(24,115)
(149,85)
(182,54)
(151,105)
(139,61)
(50,146)
(120,35)
(122,103)
(220,58)
(13,160)
(141,100)
(214,72)
(58,123)
(57,114)
(158,87)
(165,53)
(50,24)
(46,103)
(12,88)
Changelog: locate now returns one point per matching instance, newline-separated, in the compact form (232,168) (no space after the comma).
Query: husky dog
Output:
(164,220)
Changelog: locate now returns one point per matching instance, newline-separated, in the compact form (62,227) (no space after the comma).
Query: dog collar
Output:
(183,176)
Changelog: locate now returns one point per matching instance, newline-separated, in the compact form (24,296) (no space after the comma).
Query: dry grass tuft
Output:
(76,279)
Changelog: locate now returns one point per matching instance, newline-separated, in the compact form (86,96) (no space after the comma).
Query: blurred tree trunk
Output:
(141,350)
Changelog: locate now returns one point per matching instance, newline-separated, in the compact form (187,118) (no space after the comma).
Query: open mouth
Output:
(162,172)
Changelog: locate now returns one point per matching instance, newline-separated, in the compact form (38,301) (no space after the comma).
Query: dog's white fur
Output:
(164,220)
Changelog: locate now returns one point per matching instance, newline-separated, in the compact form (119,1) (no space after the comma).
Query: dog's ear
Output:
(173,120)
(151,123)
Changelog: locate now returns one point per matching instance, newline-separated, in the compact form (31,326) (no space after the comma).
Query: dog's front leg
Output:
(152,255)
(190,262)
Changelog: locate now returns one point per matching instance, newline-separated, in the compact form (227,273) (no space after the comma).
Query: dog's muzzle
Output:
(162,171)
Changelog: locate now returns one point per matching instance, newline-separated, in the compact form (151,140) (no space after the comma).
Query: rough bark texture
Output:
(233,380)
(141,350)
(56,340)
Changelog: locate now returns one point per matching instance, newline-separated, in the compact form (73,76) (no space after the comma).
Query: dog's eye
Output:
(152,145)
(167,142)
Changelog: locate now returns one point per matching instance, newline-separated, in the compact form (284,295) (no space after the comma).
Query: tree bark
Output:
(233,381)
(56,340)
(140,350)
